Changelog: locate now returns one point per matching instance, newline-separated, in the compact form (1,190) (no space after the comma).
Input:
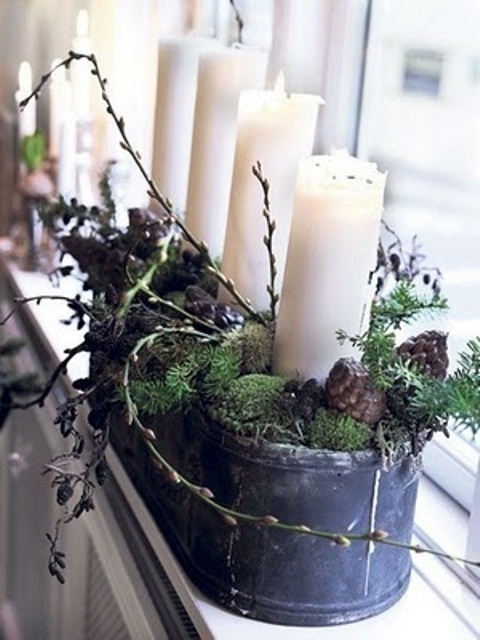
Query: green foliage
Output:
(106,191)
(195,371)
(377,345)
(32,150)
(223,367)
(175,392)
(469,362)
(403,305)
(337,432)
(456,399)
(250,407)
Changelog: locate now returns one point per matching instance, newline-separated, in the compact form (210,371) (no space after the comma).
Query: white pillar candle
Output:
(27,117)
(223,20)
(276,130)
(176,90)
(222,75)
(60,97)
(67,153)
(201,17)
(299,35)
(173,17)
(131,73)
(80,70)
(332,251)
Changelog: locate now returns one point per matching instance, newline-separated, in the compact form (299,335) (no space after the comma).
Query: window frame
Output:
(453,464)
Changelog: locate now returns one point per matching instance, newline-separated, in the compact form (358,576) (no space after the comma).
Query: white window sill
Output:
(440,602)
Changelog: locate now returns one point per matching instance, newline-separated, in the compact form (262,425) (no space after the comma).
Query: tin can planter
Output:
(267,573)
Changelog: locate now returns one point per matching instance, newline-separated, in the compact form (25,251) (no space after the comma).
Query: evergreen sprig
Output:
(223,367)
(404,305)
(455,400)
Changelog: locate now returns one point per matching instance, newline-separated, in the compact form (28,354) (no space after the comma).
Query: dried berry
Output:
(64,492)
(101,471)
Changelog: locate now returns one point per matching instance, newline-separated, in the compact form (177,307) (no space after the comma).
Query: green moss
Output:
(250,407)
(253,346)
(336,432)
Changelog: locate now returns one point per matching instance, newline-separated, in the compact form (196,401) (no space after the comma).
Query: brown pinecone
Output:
(428,351)
(349,389)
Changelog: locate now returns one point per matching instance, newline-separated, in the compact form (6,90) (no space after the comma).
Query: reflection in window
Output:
(422,71)
(430,147)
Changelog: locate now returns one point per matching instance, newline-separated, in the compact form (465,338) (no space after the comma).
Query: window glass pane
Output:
(421,122)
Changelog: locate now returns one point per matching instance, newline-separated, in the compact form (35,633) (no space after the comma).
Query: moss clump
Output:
(250,407)
(253,345)
(336,432)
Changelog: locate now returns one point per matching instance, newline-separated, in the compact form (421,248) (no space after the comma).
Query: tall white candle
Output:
(222,75)
(331,252)
(131,73)
(80,70)
(176,91)
(27,117)
(60,97)
(276,130)
(67,152)
(300,32)
(173,17)
(201,16)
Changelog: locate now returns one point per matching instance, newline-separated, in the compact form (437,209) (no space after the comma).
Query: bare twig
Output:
(153,191)
(268,239)
(238,20)
(59,370)
(73,303)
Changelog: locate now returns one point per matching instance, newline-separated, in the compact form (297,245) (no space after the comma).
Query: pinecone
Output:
(428,351)
(349,389)
(201,304)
